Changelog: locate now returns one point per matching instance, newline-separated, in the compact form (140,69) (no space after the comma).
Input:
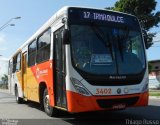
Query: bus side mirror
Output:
(146,42)
(145,37)
(65,36)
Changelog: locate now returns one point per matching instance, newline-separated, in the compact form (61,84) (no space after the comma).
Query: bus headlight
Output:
(80,87)
(145,86)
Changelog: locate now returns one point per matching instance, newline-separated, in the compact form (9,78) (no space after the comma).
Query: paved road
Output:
(28,114)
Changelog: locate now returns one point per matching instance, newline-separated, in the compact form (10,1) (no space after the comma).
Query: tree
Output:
(150,67)
(143,9)
(5,80)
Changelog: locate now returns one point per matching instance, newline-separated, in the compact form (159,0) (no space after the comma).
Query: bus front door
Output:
(59,61)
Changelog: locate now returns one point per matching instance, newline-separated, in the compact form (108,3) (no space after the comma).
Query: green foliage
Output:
(149,67)
(154,94)
(143,9)
(4,80)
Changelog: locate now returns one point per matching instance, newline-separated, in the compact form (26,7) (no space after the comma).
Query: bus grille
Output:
(108,103)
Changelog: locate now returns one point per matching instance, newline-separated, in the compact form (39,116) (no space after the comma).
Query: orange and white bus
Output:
(82,59)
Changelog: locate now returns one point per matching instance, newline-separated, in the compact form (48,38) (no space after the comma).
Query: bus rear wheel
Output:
(50,111)
(18,99)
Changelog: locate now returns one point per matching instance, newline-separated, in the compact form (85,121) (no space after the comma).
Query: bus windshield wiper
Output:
(120,40)
(100,34)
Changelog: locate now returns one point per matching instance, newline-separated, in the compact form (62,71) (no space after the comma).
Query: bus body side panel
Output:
(32,85)
(43,73)
(40,73)
(16,81)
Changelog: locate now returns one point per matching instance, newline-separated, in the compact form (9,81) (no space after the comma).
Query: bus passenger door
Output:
(59,61)
(24,73)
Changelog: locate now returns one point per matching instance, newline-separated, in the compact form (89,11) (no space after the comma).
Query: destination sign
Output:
(103,17)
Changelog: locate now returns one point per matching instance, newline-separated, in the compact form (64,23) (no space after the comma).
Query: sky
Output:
(34,13)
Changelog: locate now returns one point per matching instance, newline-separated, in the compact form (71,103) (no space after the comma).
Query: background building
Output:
(154,75)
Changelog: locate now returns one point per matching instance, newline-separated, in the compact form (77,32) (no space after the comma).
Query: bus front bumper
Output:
(79,103)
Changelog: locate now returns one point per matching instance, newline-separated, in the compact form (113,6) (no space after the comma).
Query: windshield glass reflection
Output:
(105,50)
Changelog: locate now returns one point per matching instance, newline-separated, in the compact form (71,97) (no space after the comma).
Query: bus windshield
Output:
(107,50)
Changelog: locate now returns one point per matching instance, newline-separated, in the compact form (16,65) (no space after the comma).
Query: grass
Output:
(3,86)
(152,93)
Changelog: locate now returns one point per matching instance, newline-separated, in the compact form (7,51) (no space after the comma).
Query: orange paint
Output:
(79,103)
(43,73)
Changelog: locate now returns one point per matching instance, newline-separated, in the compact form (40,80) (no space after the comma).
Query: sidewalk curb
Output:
(4,91)
(154,97)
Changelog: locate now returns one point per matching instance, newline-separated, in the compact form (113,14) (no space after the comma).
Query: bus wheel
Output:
(18,99)
(50,111)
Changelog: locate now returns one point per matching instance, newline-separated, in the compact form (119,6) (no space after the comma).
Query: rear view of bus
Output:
(106,63)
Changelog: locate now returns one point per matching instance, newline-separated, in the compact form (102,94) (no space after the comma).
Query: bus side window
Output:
(14,64)
(32,49)
(43,47)
(18,65)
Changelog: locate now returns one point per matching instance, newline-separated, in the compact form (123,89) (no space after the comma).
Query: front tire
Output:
(50,111)
(18,99)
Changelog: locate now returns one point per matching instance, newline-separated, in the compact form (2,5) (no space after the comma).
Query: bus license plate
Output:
(119,106)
